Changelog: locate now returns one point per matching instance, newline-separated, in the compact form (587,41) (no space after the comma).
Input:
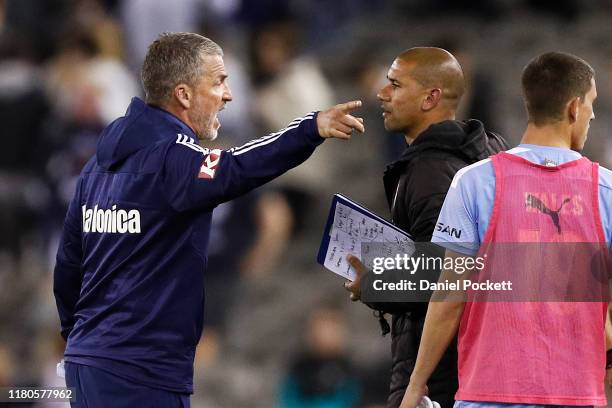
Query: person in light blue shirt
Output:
(467,209)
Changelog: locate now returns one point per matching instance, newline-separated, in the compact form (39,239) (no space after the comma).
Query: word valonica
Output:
(112,220)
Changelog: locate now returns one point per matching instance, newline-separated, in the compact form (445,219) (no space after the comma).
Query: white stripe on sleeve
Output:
(262,141)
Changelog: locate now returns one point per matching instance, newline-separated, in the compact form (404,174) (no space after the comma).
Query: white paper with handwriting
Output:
(357,231)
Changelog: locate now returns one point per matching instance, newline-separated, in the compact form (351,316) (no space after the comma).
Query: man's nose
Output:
(382,94)
(227,95)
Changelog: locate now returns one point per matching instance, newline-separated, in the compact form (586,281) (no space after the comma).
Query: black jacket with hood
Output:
(416,186)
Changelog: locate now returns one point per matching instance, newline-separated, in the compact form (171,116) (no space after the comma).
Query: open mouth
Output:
(217,122)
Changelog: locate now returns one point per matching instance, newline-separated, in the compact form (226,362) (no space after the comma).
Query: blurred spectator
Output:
(288,84)
(86,77)
(144,20)
(88,90)
(95,17)
(23,108)
(248,236)
(38,22)
(321,375)
(479,100)
(599,147)
(113,83)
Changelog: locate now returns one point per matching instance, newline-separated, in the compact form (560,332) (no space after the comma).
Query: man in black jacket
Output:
(424,88)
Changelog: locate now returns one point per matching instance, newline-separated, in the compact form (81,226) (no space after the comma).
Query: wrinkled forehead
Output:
(214,65)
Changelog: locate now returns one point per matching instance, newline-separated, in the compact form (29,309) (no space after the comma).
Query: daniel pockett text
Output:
(498,272)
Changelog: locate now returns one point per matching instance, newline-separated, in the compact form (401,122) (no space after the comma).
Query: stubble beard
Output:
(208,136)
(212,135)
(208,132)
(396,128)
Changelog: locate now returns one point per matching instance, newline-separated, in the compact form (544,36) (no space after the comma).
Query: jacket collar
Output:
(168,118)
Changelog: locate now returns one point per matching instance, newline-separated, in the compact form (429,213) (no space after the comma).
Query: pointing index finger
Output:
(349,106)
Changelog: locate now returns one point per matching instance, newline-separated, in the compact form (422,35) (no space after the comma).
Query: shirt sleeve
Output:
(457,228)
(605,203)
(67,276)
(198,178)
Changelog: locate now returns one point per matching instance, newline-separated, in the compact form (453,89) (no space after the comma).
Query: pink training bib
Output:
(537,352)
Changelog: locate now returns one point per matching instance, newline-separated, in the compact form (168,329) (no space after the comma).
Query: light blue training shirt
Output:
(467,209)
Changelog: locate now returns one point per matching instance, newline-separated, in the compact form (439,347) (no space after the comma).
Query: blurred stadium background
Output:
(280,328)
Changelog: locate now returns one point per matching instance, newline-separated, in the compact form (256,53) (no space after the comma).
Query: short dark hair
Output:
(172,59)
(436,67)
(550,81)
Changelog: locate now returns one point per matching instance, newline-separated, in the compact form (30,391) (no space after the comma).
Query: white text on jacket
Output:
(111,221)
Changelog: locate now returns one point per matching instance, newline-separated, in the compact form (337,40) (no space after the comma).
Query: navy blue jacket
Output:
(131,264)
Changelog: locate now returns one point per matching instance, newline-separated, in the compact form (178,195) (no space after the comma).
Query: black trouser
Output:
(406,331)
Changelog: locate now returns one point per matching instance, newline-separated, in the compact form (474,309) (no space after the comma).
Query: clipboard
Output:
(353,229)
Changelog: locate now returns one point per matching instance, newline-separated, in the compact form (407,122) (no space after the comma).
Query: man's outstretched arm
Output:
(199,178)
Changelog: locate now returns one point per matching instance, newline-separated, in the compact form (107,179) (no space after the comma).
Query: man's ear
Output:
(432,99)
(183,95)
(573,109)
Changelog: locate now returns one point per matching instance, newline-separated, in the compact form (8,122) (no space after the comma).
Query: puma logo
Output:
(535,202)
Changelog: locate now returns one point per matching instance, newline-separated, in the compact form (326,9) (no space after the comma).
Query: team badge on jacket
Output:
(210,164)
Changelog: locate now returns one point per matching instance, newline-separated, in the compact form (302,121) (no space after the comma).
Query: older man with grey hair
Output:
(129,278)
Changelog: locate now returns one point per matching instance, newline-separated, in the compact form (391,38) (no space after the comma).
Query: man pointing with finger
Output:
(129,278)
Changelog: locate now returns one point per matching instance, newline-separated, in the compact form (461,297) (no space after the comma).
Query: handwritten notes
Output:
(361,233)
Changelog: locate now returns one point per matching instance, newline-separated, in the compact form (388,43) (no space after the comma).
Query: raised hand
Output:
(338,122)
